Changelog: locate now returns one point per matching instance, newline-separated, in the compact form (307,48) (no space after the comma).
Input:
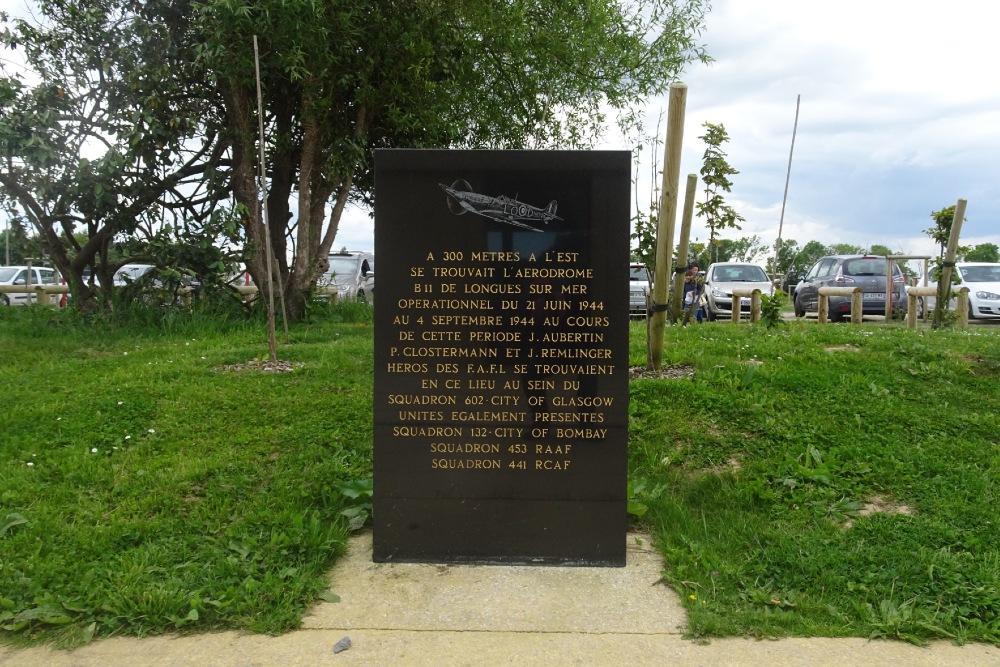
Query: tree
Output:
(845,249)
(743,249)
(168,88)
(984,252)
(110,142)
(941,231)
(715,173)
(342,78)
(794,262)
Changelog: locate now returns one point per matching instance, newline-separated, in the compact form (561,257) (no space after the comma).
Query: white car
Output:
(983,281)
(351,274)
(722,278)
(639,280)
(18,275)
(129,273)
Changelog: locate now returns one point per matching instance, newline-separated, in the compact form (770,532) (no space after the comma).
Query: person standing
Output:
(694,292)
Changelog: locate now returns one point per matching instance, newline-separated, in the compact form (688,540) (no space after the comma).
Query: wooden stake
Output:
(944,284)
(666,219)
(677,303)
(271,343)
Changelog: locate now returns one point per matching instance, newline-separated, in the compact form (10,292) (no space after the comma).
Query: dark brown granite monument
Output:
(501,356)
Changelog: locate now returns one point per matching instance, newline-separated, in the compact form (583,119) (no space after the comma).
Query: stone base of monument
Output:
(491,598)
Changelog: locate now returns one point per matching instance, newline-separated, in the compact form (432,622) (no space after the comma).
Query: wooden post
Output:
(824,304)
(944,283)
(857,309)
(963,308)
(755,307)
(734,309)
(682,244)
(666,219)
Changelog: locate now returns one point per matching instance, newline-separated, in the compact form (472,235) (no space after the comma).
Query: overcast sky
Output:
(900,116)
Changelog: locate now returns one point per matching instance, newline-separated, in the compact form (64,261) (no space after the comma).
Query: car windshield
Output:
(637,273)
(868,266)
(131,272)
(981,274)
(7,272)
(739,274)
(343,265)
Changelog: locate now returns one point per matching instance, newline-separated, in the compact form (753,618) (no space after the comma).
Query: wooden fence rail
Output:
(738,296)
(857,310)
(914,293)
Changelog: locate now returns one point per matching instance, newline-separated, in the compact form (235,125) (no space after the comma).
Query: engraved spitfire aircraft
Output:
(461,200)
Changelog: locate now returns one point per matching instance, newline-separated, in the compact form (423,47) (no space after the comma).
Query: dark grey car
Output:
(865,271)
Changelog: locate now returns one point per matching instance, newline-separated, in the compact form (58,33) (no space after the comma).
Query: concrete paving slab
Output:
(432,615)
(501,598)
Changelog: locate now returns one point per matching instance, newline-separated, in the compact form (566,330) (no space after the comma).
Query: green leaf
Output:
(329,596)
(13,519)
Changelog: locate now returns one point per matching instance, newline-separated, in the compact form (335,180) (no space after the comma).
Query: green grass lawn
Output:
(805,480)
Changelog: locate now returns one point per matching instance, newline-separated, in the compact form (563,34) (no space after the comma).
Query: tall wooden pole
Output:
(271,342)
(944,284)
(677,302)
(665,221)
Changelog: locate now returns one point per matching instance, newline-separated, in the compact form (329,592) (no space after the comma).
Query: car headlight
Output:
(719,294)
(988,296)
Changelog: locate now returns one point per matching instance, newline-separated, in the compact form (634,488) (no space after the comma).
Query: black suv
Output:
(865,271)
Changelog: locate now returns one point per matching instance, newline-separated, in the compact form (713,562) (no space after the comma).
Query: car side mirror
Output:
(20,281)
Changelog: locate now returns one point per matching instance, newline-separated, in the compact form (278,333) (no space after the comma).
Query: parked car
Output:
(983,281)
(639,283)
(865,271)
(146,279)
(722,278)
(129,273)
(352,273)
(18,275)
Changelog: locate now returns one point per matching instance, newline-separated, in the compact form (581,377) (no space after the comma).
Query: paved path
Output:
(406,614)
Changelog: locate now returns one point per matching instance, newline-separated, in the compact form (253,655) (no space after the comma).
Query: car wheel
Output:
(4,301)
(361,296)
(971,316)
(799,310)
(711,315)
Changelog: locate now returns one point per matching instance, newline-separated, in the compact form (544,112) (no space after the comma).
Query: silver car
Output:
(18,276)
(639,283)
(722,278)
(865,271)
(351,274)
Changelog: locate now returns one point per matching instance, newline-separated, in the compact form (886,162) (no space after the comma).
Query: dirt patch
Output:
(877,504)
(676,372)
(263,366)
(843,348)
(732,465)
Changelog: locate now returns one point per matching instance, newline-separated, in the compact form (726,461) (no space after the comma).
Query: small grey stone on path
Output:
(342,645)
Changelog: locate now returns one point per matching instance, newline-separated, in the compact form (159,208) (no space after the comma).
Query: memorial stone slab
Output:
(501,356)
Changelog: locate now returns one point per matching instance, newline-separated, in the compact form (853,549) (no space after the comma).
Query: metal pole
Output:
(271,343)
(784,199)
